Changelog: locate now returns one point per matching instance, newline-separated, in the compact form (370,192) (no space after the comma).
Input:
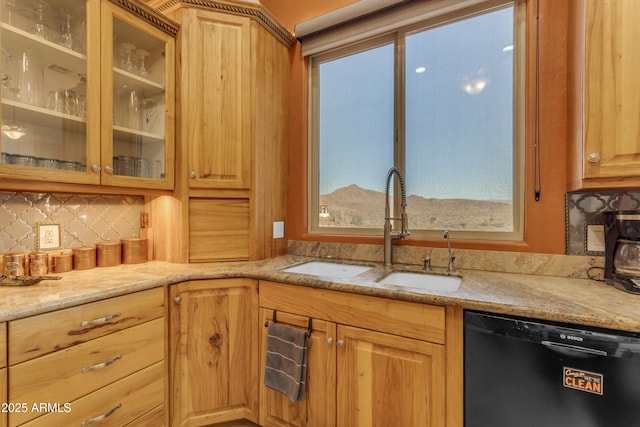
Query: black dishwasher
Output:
(529,373)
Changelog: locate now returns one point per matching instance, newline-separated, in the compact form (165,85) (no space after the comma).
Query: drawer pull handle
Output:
(101,417)
(100,320)
(101,365)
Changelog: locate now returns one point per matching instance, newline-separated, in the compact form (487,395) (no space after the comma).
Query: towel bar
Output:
(275,320)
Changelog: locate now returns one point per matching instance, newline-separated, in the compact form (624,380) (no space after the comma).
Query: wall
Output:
(83,219)
(544,219)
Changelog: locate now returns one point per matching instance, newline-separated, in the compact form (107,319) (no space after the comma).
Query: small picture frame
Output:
(48,237)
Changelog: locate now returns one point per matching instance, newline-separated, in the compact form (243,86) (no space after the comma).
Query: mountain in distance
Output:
(353,206)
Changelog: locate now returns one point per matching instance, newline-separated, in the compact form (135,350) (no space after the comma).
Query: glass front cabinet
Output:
(87,93)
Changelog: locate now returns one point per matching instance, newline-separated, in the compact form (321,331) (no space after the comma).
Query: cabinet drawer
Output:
(153,418)
(117,404)
(66,375)
(408,319)
(38,335)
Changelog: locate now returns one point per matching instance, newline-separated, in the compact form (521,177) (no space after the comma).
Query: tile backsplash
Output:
(83,219)
(585,208)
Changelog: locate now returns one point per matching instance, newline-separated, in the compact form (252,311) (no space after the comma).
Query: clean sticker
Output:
(578,379)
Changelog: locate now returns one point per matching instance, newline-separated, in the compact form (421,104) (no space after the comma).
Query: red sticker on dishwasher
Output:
(578,379)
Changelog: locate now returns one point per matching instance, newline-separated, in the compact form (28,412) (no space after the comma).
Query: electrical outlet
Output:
(278,229)
(595,238)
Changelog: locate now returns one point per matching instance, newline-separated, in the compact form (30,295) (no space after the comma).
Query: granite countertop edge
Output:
(562,299)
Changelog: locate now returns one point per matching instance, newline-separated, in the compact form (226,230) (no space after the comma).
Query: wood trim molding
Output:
(257,13)
(150,15)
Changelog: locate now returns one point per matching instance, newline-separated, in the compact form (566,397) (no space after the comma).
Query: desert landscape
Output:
(358,207)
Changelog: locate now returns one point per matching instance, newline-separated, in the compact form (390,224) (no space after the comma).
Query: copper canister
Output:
(109,253)
(134,250)
(61,263)
(14,264)
(84,257)
(38,264)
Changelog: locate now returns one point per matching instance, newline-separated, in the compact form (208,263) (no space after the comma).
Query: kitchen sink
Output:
(328,269)
(424,281)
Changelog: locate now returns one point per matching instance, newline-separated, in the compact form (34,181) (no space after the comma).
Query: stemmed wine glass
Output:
(128,65)
(142,54)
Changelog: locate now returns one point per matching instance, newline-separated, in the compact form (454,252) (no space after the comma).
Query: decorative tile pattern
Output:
(83,219)
(585,208)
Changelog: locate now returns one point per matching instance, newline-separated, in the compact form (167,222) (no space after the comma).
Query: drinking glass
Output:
(66,37)
(128,65)
(40,28)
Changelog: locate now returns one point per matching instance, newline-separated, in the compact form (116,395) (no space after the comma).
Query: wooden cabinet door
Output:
(213,348)
(386,380)
(612,96)
(218,94)
(318,406)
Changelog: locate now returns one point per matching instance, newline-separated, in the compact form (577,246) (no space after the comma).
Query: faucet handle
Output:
(427,263)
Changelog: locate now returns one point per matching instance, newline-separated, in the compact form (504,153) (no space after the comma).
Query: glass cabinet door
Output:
(140,60)
(46,84)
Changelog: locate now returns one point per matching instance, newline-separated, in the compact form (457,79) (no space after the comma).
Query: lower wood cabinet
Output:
(98,363)
(371,361)
(213,351)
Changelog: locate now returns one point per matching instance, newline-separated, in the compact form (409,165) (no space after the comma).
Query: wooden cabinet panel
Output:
(213,341)
(29,339)
(218,229)
(408,319)
(318,407)
(389,380)
(605,130)
(218,110)
(612,95)
(3,345)
(68,374)
(372,377)
(115,404)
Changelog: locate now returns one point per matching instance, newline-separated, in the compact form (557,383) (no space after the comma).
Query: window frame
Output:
(397,37)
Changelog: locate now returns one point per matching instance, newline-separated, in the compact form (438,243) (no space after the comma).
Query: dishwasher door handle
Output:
(573,350)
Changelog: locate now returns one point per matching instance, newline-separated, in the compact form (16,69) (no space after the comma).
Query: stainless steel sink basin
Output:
(328,269)
(429,282)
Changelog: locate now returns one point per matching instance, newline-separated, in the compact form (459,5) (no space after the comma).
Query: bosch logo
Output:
(571,338)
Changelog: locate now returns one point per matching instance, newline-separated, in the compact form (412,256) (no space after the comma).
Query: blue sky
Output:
(458,137)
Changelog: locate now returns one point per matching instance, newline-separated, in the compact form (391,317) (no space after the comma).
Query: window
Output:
(442,101)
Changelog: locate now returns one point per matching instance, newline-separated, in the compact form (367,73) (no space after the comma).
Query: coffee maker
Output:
(622,249)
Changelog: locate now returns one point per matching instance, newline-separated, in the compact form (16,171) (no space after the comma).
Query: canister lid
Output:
(84,249)
(108,243)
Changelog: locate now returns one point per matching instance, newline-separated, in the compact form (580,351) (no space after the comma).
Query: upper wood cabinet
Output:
(219,93)
(604,137)
(88,93)
(233,126)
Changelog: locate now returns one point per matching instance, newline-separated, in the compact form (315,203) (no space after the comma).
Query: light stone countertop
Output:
(573,300)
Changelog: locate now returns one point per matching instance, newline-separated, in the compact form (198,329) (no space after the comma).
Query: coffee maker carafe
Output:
(622,250)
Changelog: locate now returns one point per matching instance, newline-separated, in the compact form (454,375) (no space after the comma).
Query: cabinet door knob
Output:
(108,169)
(96,168)
(192,174)
(340,343)
(177,300)
(329,341)
(593,158)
